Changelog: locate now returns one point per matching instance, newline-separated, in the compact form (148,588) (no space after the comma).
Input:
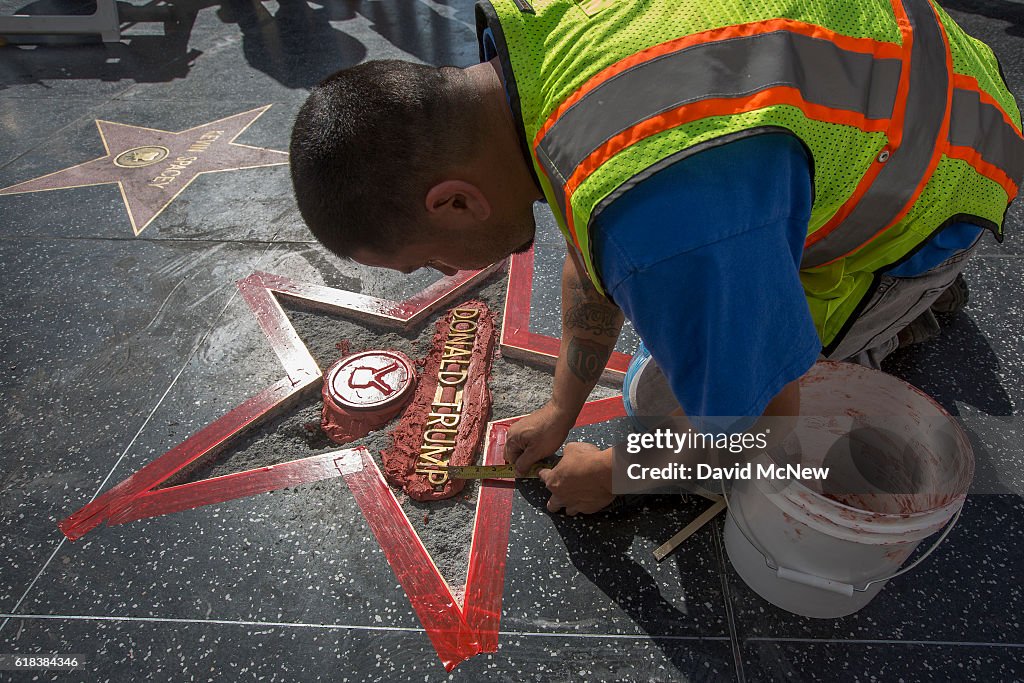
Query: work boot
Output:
(954,298)
(923,328)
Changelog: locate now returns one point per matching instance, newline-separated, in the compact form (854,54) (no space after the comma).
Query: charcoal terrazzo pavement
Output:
(115,347)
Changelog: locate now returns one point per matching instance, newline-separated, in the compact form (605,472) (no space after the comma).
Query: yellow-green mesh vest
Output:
(550,48)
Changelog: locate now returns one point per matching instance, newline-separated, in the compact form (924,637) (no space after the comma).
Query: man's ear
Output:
(454,201)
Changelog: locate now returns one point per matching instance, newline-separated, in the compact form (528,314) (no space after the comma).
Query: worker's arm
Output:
(703,258)
(590,326)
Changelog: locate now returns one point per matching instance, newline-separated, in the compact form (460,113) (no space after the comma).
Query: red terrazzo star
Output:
(152,167)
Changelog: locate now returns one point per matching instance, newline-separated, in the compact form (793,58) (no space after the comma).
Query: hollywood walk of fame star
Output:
(476,617)
(152,167)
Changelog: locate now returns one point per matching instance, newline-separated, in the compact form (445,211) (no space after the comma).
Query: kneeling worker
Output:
(751,186)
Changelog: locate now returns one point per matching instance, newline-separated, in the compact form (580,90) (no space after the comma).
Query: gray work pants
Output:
(896,303)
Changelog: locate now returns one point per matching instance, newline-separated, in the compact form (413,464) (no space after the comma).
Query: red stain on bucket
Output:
(900,468)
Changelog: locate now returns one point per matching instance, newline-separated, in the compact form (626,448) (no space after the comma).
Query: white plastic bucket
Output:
(900,468)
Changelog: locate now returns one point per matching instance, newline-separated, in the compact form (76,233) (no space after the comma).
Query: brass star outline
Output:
(150,186)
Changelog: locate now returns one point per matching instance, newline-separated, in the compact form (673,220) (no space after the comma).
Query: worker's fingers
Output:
(522,452)
(513,448)
(555,504)
(535,437)
(526,459)
(545,475)
(572,512)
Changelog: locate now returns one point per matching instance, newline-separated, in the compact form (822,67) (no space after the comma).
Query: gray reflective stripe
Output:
(557,181)
(824,73)
(899,178)
(981,126)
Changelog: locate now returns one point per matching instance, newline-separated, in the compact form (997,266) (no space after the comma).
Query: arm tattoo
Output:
(586,359)
(591,317)
(585,314)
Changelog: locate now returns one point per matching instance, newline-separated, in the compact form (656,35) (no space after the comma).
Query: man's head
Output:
(397,165)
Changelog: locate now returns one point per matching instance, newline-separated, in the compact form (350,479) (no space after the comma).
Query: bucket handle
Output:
(840,587)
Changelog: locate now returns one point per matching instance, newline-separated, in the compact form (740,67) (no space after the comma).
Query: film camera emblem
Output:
(138,157)
(371,380)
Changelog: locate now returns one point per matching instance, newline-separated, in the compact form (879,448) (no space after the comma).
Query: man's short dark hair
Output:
(370,141)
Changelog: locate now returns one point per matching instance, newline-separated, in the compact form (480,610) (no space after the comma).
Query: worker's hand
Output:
(537,436)
(581,482)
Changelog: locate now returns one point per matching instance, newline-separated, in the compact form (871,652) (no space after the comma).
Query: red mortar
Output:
(400,460)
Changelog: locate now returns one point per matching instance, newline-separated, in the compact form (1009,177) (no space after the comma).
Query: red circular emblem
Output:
(372,380)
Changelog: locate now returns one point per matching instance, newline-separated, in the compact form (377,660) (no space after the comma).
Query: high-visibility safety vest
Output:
(905,117)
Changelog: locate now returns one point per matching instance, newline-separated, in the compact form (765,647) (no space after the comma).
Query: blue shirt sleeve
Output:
(703,257)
